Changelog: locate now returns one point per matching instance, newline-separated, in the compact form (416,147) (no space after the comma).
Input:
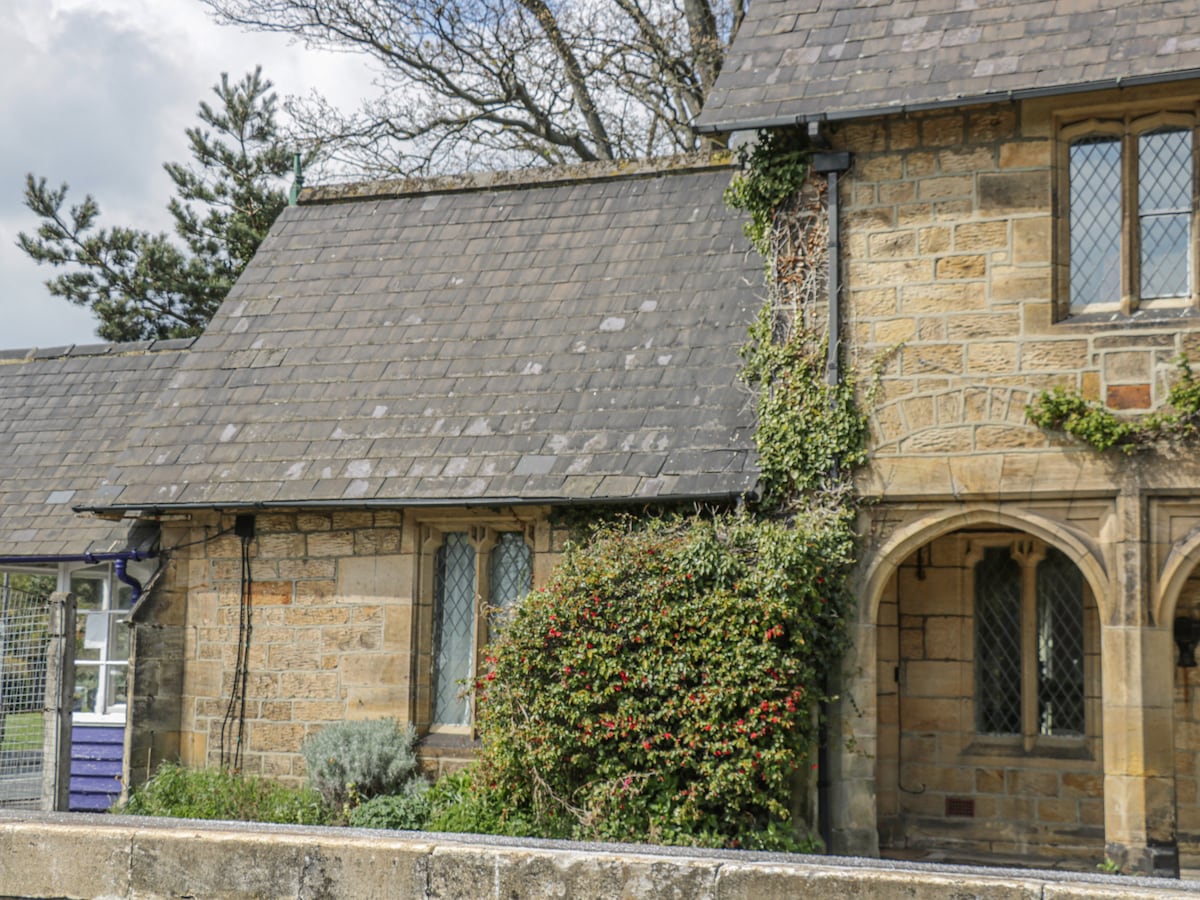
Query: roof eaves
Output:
(843,115)
(151,509)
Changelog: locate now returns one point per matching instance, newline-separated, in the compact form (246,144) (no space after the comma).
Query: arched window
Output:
(1029,642)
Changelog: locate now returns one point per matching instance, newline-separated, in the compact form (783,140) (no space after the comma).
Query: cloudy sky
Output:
(97,93)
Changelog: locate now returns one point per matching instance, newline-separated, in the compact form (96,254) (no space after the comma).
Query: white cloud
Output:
(97,93)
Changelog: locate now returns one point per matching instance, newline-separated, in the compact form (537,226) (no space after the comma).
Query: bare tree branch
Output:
(470,83)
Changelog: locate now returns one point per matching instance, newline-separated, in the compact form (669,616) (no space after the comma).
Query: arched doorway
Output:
(988,692)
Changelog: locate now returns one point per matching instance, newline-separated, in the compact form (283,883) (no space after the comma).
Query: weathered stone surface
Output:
(47,856)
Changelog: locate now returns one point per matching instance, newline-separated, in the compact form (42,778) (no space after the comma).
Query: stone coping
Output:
(44,855)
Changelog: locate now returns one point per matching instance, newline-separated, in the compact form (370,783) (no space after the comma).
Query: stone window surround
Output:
(1028,552)
(483,531)
(1127,121)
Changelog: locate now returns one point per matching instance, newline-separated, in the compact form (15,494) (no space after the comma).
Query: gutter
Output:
(412,502)
(119,558)
(1033,93)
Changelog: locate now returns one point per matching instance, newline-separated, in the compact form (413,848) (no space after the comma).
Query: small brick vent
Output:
(960,806)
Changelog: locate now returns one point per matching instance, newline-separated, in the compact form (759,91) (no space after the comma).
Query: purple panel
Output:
(107,768)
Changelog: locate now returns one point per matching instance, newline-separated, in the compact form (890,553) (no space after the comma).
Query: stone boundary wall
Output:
(63,855)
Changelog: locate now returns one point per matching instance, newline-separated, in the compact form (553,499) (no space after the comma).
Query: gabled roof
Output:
(800,60)
(553,336)
(64,416)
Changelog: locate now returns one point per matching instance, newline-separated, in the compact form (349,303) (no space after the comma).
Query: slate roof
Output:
(64,416)
(800,60)
(557,336)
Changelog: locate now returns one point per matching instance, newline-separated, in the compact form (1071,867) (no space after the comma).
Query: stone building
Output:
(1017,212)
(376,437)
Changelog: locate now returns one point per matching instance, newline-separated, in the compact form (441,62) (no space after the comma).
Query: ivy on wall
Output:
(1093,423)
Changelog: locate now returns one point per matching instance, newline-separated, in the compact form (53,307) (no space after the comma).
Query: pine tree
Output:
(143,285)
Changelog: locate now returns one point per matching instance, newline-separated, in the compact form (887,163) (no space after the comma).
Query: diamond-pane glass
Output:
(1165,212)
(997,643)
(510,575)
(1095,174)
(454,628)
(1060,646)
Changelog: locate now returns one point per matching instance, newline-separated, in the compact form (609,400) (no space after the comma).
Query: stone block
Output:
(314,593)
(972,326)
(918,412)
(272,593)
(319,615)
(1002,437)
(974,236)
(989,781)
(941,298)
(938,441)
(894,331)
(888,167)
(945,187)
(1054,356)
(991,358)
(351,638)
(892,192)
(1032,240)
(301,569)
(920,165)
(971,159)
(1026,154)
(277,545)
(291,656)
(993,124)
(881,302)
(1014,192)
(960,267)
(308,685)
(1128,396)
(314,521)
(352,519)
(865,137)
(373,669)
(943,131)
(902,134)
(276,736)
(376,578)
(1127,366)
(933,239)
(1020,283)
(893,244)
(331,543)
(932,358)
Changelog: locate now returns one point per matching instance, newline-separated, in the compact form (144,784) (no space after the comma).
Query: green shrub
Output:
(216,794)
(407,810)
(359,760)
(661,687)
(465,803)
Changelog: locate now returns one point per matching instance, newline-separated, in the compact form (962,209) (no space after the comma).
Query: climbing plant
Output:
(1093,423)
(662,686)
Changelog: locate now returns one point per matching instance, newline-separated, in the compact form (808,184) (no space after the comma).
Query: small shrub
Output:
(360,760)
(183,793)
(406,811)
(464,803)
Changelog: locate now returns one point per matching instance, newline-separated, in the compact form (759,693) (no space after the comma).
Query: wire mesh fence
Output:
(24,640)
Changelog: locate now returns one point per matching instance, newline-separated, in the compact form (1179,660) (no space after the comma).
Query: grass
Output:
(23,731)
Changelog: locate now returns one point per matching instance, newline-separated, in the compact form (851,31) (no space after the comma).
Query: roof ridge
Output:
(509,179)
(114,348)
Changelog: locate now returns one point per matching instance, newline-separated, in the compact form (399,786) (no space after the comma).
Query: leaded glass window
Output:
(1029,643)
(510,575)
(454,628)
(997,643)
(1096,221)
(1060,646)
(1165,212)
(1130,212)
